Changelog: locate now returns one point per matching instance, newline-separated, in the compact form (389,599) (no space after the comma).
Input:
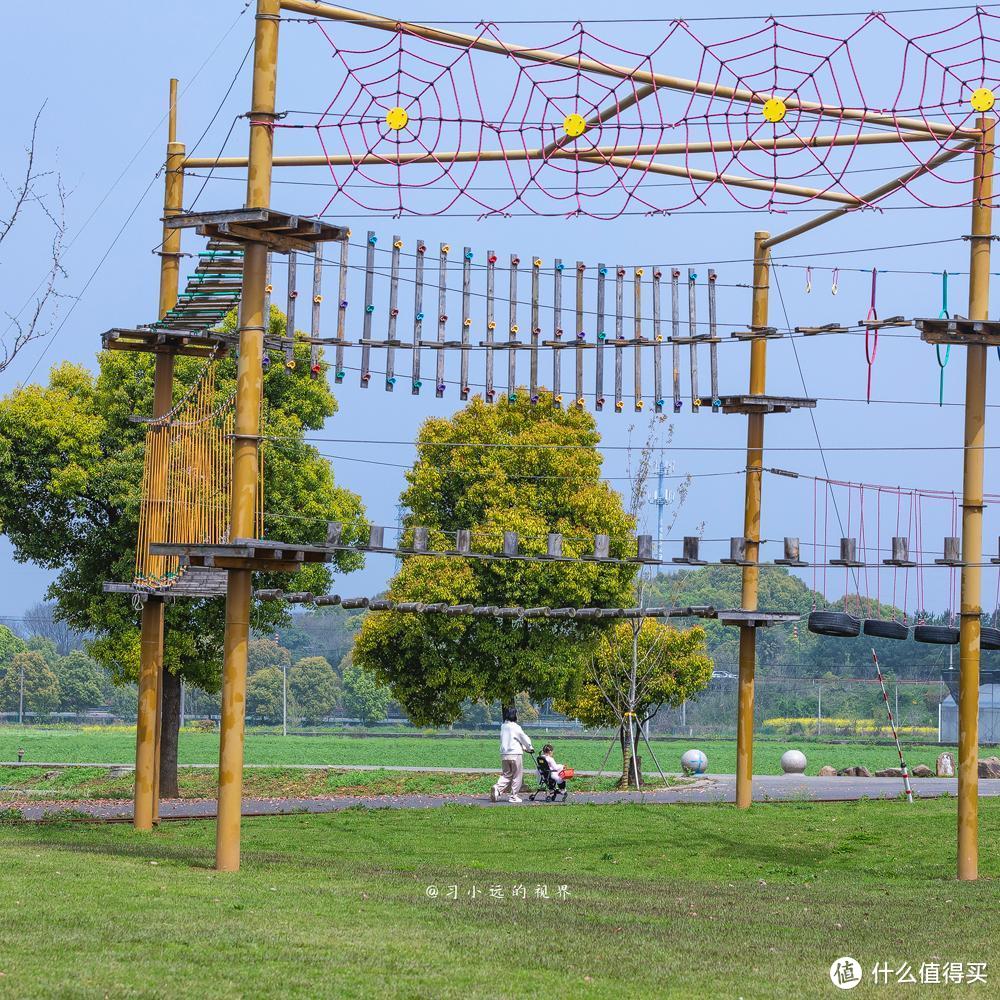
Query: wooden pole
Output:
(149,714)
(732,180)
(634,74)
(751,527)
(880,192)
(972,512)
(559,153)
(249,389)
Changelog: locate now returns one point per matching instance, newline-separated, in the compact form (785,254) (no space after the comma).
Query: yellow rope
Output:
(187,481)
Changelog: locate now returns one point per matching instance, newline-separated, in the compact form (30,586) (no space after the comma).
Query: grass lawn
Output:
(26,784)
(76,745)
(663,901)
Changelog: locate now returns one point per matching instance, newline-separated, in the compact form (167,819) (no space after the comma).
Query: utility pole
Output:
(659,501)
(246,442)
(972,511)
(20,701)
(149,712)
(751,524)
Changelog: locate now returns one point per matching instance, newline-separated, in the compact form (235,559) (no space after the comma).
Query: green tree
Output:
(10,646)
(41,686)
(71,463)
(545,476)
(265,694)
(314,685)
(364,698)
(638,667)
(264,653)
(79,682)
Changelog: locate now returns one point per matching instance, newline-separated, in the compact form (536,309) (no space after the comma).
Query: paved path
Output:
(714,788)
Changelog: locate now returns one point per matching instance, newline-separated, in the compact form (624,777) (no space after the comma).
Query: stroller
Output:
(550,785)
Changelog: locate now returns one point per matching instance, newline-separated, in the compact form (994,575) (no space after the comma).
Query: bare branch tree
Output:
(41,192)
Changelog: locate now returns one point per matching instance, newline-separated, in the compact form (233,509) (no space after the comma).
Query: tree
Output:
(41,686)
(638,667)
(265,695)
(41,620)
(71,462)
(79,682)
(364,698)
(34,200)
(10,646)
(315,688)
(545,476)
(265,653)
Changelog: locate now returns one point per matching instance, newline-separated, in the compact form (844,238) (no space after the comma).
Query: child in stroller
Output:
(551,776)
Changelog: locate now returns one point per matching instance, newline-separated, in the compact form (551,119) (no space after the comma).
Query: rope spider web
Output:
(425,123)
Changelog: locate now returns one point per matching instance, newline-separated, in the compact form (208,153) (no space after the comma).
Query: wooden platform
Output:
(276,230)
(183,342)
(748,404)
(194,582)
(757,619)
(959,331)
(249,554)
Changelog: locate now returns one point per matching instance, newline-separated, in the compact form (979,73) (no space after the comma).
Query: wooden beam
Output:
(553,151)
(874,195)
(734,180)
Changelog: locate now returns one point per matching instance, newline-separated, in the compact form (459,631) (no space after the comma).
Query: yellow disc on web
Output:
(575,125)
(396,118)
(982,99)
(774,110)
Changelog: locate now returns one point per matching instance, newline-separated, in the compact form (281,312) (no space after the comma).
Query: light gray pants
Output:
(511,775)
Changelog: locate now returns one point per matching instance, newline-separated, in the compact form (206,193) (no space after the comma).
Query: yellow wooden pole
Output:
(249,388)
(972,513)
(148,720)
(751,526)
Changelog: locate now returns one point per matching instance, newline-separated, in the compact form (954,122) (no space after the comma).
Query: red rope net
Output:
(486,131)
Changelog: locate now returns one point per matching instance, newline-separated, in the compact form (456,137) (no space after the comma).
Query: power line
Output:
(127,167)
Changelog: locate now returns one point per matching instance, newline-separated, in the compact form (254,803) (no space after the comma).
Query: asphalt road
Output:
(712,788)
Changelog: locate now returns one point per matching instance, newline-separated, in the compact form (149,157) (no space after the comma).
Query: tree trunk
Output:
(169,729)
(631,761)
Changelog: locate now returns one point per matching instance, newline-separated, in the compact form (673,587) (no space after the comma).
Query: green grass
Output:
(66,745)
(664,901)
(21,784)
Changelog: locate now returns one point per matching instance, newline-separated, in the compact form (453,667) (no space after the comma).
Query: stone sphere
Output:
(694,762)
(793,762)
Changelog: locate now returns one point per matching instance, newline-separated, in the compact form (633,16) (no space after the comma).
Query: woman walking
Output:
(513,742)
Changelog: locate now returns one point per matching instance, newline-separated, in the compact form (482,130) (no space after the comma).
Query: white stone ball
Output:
(793,762)
(694,762)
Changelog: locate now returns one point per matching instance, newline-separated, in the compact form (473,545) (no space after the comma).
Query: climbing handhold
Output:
(774,110)
(397,118)
(575,125)
(982,99)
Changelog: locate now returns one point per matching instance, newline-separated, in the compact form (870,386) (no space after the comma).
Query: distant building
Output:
(989,708)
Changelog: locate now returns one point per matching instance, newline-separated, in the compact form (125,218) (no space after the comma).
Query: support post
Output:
(972,512)
(146,795)
(751,527)
(249,388)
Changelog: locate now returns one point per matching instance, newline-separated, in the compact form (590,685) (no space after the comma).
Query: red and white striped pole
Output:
(892,726)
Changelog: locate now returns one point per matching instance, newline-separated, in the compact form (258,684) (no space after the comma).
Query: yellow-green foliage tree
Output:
(638,667)
(71,463)
(540,473)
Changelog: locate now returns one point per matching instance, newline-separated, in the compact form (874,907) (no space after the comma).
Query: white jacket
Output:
(513,740)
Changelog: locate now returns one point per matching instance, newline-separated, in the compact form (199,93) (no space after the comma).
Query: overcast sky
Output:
(101,71)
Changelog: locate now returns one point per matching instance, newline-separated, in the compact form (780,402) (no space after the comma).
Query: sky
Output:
(99,73)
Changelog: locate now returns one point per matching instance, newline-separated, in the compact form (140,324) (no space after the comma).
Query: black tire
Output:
(989,638)
(834,623)
(939,635)
(886,629)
